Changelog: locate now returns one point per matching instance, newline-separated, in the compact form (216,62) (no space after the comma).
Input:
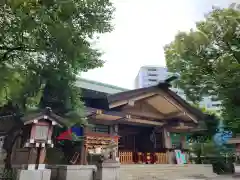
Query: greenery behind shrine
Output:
(44,45)
(208,61)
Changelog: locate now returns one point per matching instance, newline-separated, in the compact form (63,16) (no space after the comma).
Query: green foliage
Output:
(208,149)
(208,61)
(210,127)
(202,142)
(44,44)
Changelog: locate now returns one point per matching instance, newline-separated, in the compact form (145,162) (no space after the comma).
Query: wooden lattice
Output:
(126,157)
(162,158)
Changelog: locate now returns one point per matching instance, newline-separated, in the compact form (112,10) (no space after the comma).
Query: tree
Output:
(210,126)
(208,61)
(202,141)
(44,44)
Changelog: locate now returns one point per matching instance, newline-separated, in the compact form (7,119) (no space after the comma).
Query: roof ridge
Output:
(102,84)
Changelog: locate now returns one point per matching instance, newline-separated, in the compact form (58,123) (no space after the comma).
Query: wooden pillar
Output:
(183,141)
(167,139)
(32,156)
(83,155)
(168,145)
(42,155)
(184,146)
(85,152)
(114,132)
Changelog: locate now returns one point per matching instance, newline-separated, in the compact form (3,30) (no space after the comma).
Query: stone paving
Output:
(222,177)
(168,172)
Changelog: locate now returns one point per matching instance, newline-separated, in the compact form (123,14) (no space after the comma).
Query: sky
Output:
(141,29)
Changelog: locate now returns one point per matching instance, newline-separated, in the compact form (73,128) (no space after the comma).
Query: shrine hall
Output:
(144,120)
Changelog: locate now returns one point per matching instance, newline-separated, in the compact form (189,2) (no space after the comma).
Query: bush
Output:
(221,166)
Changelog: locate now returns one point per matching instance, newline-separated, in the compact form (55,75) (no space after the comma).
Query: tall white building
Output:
(152,75)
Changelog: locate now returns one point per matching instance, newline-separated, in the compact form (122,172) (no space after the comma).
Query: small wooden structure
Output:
(27,141)
(38,130)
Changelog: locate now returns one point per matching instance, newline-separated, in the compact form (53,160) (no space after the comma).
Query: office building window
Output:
(152,80)
(152,69)
(152,75)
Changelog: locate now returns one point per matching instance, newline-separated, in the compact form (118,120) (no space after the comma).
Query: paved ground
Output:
(217,178)
(222,177)
(228,177)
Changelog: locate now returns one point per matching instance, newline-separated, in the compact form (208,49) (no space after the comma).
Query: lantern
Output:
(40,129)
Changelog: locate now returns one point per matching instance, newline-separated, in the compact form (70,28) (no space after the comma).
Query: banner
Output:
(180,157)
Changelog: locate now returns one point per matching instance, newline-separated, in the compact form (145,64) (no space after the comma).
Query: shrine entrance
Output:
(138,144)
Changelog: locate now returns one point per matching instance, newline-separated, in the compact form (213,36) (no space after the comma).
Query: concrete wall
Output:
(73,172)
(105,171)
(34,174)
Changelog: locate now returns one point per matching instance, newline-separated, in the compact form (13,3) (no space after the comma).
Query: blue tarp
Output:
(222,137)
(78,131)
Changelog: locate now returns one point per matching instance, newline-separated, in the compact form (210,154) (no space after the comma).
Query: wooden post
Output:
(114,132)
(82,156)
(183,141)
(42,155)
(184,146)
(167,139)
(85,152)
(168,145)
(32,156)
